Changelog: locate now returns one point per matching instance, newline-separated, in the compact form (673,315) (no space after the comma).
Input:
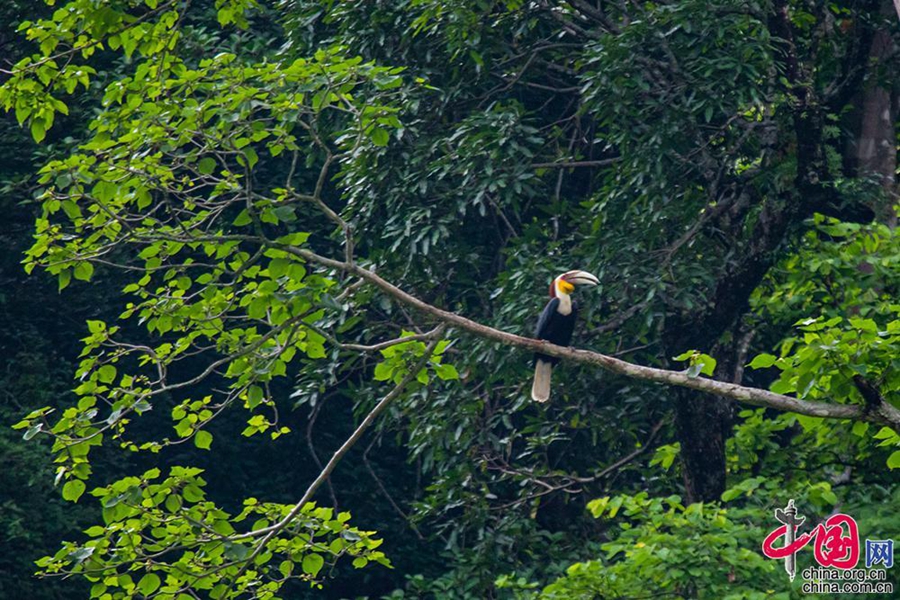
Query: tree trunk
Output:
(873,150)
(703,424)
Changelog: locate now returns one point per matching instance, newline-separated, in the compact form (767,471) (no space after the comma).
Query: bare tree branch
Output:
(384,492)
(884,413)
(576,163)
(418,337)
(269,532)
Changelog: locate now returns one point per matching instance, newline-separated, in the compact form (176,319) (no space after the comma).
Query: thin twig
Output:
(384,492)
(575,163)
(269,532)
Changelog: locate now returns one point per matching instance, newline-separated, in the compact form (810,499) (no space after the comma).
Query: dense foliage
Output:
(256,213)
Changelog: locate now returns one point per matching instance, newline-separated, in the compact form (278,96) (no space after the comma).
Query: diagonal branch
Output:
(884,413)
(429,335)
(568,164)
(269,532)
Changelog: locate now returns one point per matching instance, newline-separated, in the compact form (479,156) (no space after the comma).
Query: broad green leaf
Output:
(84,270)
(38,130)
(206,165)
(893,460)
(312,564)
(148,584)
(708,364)
(445,372)
(762,361)
(203,439)
(73,490)
(106,373)
(379,136)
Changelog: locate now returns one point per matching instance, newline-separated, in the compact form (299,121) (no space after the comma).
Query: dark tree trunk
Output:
(703,424)
(873,149)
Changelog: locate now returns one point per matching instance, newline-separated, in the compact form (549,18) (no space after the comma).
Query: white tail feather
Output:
(540,390)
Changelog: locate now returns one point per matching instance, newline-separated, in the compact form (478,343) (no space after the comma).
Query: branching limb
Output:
(570,483)
(569,164)
(419,337)
(386,494)
(268,533)
(884,414)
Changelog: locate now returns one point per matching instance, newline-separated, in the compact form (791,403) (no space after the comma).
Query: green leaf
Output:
(173,503)
(809,423)
(286,567)
(379,136)
(446,372)
(203,439)
(762,361)
(884,433)
(65,276)
(598,506)
(252,157)
(83,271)
(312,564)
(206,165)
(383,371)
(708,364)
(614,505)
(106,373)
(192,493)
(105,191)
(242,219)
(149,583)
(285,214)
(254,396)
(687,354)
(278,267)
(38,130)
(73,490)
(81,554)
(893,460)
(730,494)
(96,326)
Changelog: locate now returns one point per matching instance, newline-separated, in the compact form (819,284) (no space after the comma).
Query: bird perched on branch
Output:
(556,325)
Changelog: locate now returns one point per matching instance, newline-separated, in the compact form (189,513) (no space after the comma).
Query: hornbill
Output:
(556,325)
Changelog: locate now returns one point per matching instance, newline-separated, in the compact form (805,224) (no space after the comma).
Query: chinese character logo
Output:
(836,540)
(880,552)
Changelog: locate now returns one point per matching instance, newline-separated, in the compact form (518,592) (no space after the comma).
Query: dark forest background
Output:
(727,169)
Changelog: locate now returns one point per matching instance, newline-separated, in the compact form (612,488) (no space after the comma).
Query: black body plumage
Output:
(555,327)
